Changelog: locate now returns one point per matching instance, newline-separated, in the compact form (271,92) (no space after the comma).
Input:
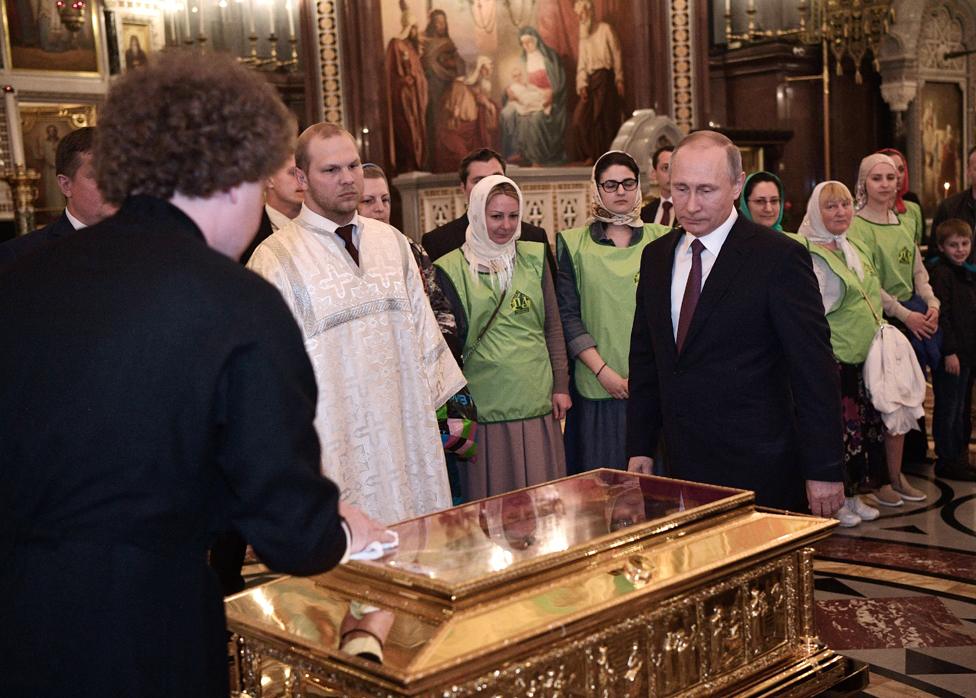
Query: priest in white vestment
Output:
(380,361)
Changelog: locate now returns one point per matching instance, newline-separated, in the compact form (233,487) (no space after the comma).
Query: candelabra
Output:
(23,189)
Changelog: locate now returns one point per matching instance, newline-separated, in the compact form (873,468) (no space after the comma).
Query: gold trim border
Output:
(682,64)
(330,64)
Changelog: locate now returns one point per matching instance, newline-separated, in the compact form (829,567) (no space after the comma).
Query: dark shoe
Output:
(955,471)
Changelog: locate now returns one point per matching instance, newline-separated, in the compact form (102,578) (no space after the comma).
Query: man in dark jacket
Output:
(961,206)
(475,166)
(85,204)
(152,393)
(730,356)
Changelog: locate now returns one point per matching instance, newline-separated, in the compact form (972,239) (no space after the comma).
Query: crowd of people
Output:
(238,348)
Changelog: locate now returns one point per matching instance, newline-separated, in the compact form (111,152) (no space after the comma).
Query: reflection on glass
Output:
(463,544)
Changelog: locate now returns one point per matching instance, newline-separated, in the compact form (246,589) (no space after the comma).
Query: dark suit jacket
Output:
(650,210)
(753,400)
(25,244)
(264,232)
(450,236)
(152,393)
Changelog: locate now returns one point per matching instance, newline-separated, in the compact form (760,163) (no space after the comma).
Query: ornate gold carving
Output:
(682,75)
(331,75)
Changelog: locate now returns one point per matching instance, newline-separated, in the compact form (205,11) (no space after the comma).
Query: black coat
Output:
(753,400)
(152,393)
(955,287)
(264,232)
(25,244)
(450,236)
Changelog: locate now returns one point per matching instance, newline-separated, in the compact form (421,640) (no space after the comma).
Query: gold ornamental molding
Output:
(329,60)
(682,75)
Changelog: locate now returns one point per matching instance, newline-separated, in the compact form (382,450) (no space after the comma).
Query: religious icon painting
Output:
(57,37)
(136,43)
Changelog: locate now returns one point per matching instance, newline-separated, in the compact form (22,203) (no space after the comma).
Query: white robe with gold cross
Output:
(381,364)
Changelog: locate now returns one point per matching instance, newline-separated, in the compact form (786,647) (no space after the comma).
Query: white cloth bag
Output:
(894,380)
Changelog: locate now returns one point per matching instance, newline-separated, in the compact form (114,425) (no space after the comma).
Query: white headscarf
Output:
(482,254)
(814,230)
(868,164)
(599,212)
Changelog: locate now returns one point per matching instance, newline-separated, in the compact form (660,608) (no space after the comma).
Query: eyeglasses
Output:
(763,203)
(611,185)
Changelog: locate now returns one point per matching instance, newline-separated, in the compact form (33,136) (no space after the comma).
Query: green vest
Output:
(798,238)
(509,373)
(892,248)
(852,322)
(606,279)
(916,221)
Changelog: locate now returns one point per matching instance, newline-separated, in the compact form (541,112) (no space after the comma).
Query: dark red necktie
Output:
(666,213)
(692,292)
(345,232)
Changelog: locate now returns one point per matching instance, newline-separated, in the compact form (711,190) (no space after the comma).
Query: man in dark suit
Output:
(152,393)
(283,197)
(85,204)
(730,352)
(961,206)
(475,166)
(661,210)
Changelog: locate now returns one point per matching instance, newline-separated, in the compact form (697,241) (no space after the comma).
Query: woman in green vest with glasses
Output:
(596,284)
(514,354)
(851,294)
(762,200)
(906,294)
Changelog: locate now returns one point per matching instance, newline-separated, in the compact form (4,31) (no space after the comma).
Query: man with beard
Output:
(599,84)
(442,64)
(375,345)
(408,95)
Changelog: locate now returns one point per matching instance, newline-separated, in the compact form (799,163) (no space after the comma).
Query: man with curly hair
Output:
(378,352)
(154,392)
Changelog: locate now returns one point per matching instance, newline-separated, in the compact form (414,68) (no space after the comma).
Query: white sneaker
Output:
(860,509)
(847,518)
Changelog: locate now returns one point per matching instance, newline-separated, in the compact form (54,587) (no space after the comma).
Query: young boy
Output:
(954,283)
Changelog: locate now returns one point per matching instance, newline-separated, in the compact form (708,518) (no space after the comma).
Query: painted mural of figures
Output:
(442,65)
(408,95)
(599,84)
(534,117)
(468,117)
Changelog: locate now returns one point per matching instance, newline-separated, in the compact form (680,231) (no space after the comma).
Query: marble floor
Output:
(899,593)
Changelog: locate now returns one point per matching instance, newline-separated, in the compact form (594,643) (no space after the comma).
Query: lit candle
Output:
(186,17)
(13,125)
(250,17)
(291,20)
(271,22)
(202,24)
(945,185)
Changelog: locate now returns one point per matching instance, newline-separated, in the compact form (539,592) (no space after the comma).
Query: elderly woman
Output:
(514,354)
(906,295)
(852,303)
(595,285)
(762,198)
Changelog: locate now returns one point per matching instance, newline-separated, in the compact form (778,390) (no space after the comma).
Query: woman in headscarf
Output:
(535,136)
(852,303)
(906,202)
(906,295)
(596,285)
(514,354)
(762,200)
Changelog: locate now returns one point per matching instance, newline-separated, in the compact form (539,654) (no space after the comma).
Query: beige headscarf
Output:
(598,212)
(814,230)
(482,254)
(868,164)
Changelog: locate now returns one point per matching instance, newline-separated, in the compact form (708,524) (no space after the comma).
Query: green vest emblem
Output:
(520,303)
(636,278)
(904,256)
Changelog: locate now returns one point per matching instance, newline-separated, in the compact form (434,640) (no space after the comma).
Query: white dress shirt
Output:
(683,255)
(277,218)
(323,223)
(75,223)
(660,211)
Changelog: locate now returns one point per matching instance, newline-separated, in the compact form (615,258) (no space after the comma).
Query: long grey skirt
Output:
(512,455)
